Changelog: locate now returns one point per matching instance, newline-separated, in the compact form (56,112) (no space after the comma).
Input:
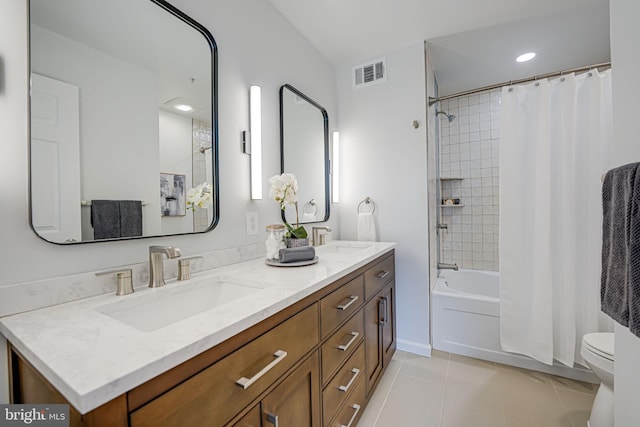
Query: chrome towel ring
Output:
(311,207)
(366,202)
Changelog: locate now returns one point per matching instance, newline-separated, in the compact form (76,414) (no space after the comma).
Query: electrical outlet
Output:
(251,223)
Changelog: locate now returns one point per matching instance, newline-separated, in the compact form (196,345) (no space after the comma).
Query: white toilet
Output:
(597,351)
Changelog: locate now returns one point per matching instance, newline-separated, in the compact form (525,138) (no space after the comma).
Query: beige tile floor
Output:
(447,390)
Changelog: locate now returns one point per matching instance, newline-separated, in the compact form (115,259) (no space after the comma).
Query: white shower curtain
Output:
(554,148)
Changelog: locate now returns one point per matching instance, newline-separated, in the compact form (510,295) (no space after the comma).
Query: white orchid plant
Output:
(200,196)
(284,189)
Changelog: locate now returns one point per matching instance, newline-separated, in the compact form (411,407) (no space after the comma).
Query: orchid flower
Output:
(284,189)
(200,196)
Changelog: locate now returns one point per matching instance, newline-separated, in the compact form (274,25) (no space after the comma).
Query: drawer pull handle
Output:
(354,336)
(273,419)
(382,274)
(344,388)
(245,382)
(384,318)
(353,417)
(352,299)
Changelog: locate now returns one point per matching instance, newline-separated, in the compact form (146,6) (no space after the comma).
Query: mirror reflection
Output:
(304,133)
(122,120)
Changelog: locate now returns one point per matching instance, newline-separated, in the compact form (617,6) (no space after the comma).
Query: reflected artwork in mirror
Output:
(122,94)
(304,151)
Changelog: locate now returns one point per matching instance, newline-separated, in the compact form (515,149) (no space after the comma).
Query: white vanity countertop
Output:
(92,358)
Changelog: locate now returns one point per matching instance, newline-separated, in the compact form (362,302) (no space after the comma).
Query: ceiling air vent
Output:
(370,73)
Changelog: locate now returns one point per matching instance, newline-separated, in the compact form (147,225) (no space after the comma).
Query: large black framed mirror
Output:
(123,120)
(304,152)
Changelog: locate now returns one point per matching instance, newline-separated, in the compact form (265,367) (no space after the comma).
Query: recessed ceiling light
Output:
(184,107)
(526,57)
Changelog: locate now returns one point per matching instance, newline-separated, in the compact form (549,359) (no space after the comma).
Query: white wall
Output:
(176,133)
(256,46)
(625,57)
(260,47)
(385,158)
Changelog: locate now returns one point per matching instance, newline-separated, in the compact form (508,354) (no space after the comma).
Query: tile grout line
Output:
(386,397)
(444,391)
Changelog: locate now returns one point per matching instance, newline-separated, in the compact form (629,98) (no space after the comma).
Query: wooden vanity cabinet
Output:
(313,364)
(351,410)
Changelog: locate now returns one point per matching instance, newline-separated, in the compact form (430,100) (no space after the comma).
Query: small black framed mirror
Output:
(304,152)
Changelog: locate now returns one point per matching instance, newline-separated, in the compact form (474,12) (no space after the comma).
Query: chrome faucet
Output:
(156,255)
(317,237)
(445,266)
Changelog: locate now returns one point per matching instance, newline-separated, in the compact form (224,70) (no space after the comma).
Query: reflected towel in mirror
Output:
(116,218)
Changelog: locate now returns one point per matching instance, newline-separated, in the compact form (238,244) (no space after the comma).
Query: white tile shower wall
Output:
(469,149)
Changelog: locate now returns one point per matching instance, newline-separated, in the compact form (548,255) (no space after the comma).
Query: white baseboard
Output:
(414,347)
(512,359)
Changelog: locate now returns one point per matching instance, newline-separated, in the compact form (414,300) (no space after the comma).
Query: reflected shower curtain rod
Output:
(433,100)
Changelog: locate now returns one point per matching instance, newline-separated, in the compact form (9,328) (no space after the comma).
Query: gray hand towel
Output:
(617,195)
(105,218)
(634,258)
(130,218)
(303,253)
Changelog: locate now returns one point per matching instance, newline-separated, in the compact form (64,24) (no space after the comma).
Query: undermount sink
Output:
(346,247)
(156,308)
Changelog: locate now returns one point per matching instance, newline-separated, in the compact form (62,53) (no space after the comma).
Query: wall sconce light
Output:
(255,136)
(335,167)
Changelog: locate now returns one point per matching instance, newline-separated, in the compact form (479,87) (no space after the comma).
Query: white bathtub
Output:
(465,320)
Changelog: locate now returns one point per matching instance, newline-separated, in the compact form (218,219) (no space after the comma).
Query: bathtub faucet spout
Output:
(445,266)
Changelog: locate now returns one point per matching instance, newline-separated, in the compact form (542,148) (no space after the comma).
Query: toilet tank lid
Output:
(602,341)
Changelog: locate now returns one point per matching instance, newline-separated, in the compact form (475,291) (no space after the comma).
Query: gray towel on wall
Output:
(620,277)
(130,218)
(634,258)
(116,218)
(105,219)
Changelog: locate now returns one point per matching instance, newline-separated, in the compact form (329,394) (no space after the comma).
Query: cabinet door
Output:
(296,401)
(373,341)
(387,323)
(380,333)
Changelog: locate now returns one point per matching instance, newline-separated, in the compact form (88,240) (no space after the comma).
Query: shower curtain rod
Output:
(433,100)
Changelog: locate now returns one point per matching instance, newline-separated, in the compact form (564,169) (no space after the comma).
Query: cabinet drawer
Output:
(341,304)
(214,396)
(352,409)
(343,383)
(340,345)
(378,275)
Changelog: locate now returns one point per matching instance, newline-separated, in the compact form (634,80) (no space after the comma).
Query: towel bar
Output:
(88,203)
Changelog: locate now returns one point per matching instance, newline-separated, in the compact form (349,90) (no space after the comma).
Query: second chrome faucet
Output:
(318,238)
(156,256)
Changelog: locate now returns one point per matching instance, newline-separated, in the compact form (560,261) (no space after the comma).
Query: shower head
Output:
(450,117)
